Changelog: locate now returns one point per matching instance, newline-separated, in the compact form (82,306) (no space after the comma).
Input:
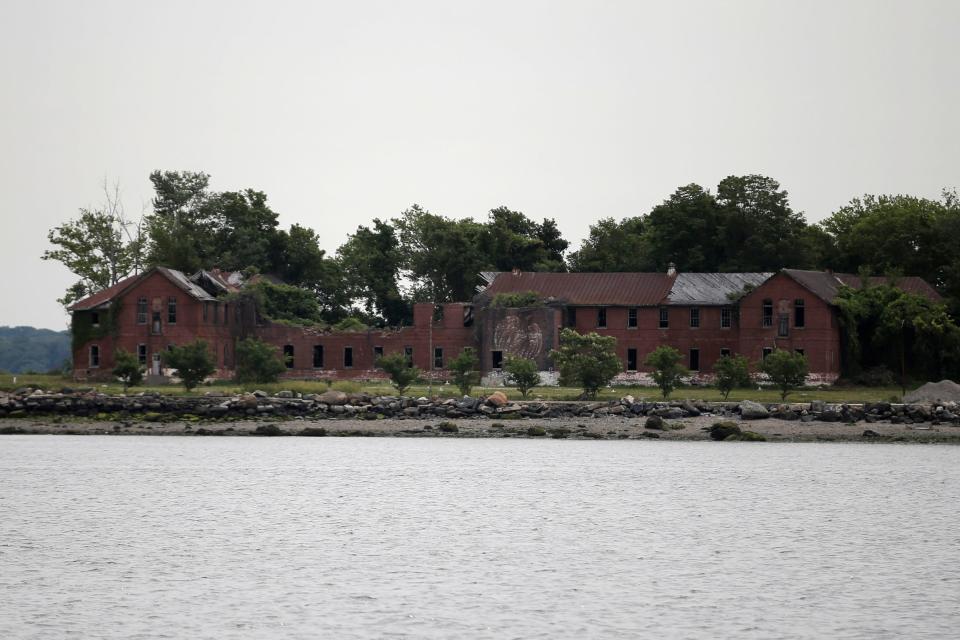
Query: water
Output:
(140,537)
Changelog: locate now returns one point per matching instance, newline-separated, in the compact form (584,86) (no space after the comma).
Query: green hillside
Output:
(25,349)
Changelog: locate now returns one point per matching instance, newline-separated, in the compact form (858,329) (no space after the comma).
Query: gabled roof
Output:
(106,296)
(826,285)
(622,289)
(713,288)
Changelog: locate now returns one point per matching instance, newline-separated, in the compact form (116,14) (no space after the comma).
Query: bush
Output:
(667,370)
(401,373)
(127,368)
(519,299)
(350,324)
(587,361)
(731,372)
(193,362)
(522,373)
(257,362)
(787,369)
(465,370)
(536,431)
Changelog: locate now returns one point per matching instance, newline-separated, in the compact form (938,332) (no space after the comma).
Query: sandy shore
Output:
(608,428)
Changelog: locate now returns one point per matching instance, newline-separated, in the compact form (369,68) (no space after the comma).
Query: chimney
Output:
(671,269)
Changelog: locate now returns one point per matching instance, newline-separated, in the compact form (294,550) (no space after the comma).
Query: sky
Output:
(347,111)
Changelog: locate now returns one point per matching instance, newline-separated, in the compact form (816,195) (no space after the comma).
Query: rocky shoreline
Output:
(334,413)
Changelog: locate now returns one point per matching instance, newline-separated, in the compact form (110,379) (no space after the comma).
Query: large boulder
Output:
(333,397)
(750,410)
(497,399)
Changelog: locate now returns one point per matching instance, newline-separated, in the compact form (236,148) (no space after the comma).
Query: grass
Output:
(827,394)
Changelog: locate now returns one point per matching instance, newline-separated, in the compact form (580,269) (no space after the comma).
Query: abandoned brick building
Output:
(703,315)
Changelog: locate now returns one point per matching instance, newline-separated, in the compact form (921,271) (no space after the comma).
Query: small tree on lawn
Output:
(667,370)
(465,370)
(257,362)
(732,372)
(127,368)
(787,370)
(587,361)
(397,366)
(193,362)
(522,373)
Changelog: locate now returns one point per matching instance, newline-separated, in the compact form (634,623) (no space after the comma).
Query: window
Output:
(287,354)
(783,325)
(155,325)
(216,313)
(767,313)
(767,351)
(726,317)
(438,357)
(724,352)
(347,357)
(142,353)
(94,356)
(226,313)
(408,354)
(205,312)
(602,318)
(632,318)
(141,311)
(497,359)
(318,356)
(171,347)
(171,309)
(571,316)
(377,354)
(799,315)
(664,317)
(694,359)
(694,317)
(468,316)
(631,359)
(95,318)
(799,352)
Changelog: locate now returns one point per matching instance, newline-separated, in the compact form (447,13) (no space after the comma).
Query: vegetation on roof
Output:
(517,299)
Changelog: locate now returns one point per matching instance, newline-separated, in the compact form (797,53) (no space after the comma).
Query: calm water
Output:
(140,537)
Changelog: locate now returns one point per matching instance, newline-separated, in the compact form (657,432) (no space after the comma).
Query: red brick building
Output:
(704,315)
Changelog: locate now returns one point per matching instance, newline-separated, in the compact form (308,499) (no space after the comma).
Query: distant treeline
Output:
(26,349)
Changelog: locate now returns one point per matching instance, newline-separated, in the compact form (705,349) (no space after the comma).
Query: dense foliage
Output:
(516,300)
(193,362)
(127,369)
(731,372)
(257,362)
(522,373)
(401,371)
(588,361)
(25,349)
(667,370)
(464,370)
(786,369)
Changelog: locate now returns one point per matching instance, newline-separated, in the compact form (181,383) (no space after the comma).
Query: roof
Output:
(101,298)
(713,288)
(626,289)
(826,285)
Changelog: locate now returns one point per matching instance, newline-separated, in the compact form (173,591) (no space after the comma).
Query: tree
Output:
(371,260)
(464,368)
(402,373)
(667,370)
(127,368)
(588,361)
(183,225)
(786,369)
(193,362)
(613,246)
(731,372)
(522,373)
(257,362)
(101,247)
(511,240)
(686,230)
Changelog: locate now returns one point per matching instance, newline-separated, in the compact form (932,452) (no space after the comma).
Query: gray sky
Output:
(346,111)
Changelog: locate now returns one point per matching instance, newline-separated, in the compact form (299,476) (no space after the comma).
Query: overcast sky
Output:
(346,111)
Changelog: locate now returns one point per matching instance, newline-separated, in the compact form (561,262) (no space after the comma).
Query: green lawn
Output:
(828,394)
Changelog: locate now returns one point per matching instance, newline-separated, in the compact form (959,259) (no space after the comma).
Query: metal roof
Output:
(826,285)
(621,289)
(102,298)
(713,288)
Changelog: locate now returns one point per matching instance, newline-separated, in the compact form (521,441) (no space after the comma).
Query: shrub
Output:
(522,373)
(588,361)
(127,368)
(667,370)
(257,362)
(787,369)
(401,373)
(465,370)
(193,362)
(732,372)
(518,299)
(350,324)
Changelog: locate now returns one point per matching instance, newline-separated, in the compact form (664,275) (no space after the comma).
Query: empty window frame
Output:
(496,359)
(694,359)
(226,313)
(767,351)
(408,354)
(172,310)
(631,359)
(799,352)
(726,317)
(664,317)
(288,355)
(347,357)
(318,356)
(602,318)
(94,356)
(205,311)
(783,325)
(571,316)
(694,317)
(141,310)
(155,323)
(724,352)
(142,354)
(767,318)
(632,318)
(377,354)
(95,318)
(468,316)
(438,357)
(799,314)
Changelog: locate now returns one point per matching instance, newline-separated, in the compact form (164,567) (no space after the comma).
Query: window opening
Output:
(497,359)
(694,359)
(438,357)
(726,317)
(694,317)
(632,318)
(631,359)
(664,317)
(602,318)
(318,356)
(347,357)
(767,313)
(799,313)
(288,355)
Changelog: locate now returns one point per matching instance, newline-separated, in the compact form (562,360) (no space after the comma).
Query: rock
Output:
(649,434)
(690,409)
(333,397)
(654,422)
(870,433)
(497,399)
(284,394)
(674,413)
(411,411)
(626,400)
(750,410)
(723,430)
(269,430)
(943,391)
(261,394)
